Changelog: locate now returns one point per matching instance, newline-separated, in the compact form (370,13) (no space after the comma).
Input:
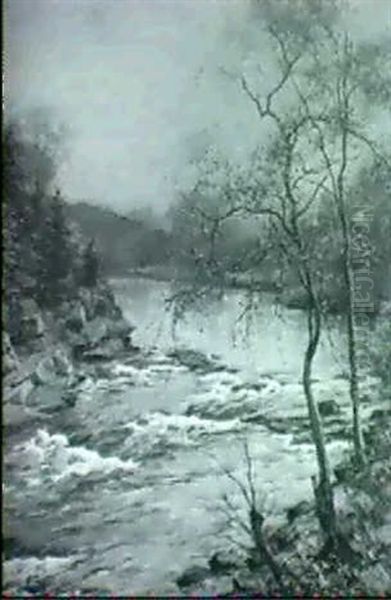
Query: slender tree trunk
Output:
(344,107)
(358,440)
(349,283)
(351,334)
(324,496)
(323,491)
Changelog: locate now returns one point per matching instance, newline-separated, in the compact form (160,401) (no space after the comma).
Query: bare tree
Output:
(253,524)
(339,134)
(337,92)
(290,186)
(337,84)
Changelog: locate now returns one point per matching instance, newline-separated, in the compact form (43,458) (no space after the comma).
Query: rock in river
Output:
(192,576)
(194,360)
(328,408)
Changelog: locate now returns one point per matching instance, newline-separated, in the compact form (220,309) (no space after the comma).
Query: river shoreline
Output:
(293,298)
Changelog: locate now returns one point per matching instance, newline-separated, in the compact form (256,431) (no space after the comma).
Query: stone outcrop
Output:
(10,360)
(195,361)
(54,346)
(32,324)
(51,368)
(193,575)
(93,326)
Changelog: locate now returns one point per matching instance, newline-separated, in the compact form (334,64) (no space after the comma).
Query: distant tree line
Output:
(124,242)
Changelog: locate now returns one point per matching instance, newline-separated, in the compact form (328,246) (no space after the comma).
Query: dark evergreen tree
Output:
(54,255)
(90,266)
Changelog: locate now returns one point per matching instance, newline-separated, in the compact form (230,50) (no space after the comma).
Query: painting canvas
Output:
(197,298)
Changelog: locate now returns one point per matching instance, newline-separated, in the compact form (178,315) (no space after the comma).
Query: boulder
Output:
(295,299)
(95,328)
(257,387)
(76,319)
(10,360)
(19,418)
(103,372)
(61,364)
(328,408)
(99,302)
(29,307)
(192,576)
(44,372)
(103,306)
(78,348)
(380,414)
(96,331)
(32,326)
(101,329)
(52,367)
(69,397)
(193,360)
(299,509)
(18,392)
(220,565)
(276,425)
(120,328)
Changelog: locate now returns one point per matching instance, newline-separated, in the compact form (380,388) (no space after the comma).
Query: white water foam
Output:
(146,376)
(19,571)
(164,422)
(137,376)
(52,455)
(159,430)
(225,395)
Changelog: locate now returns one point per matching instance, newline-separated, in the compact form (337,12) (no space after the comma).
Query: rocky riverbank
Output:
(59,348)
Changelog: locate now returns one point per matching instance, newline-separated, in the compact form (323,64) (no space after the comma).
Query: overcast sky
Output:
(137,84)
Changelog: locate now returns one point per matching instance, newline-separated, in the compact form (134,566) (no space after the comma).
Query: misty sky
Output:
(137,84)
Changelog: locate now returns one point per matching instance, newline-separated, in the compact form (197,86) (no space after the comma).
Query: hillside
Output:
(123,242)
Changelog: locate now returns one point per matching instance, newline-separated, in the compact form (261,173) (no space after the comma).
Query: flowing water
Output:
(123,491)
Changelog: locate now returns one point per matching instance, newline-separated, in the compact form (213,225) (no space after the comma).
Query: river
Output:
(123,491)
